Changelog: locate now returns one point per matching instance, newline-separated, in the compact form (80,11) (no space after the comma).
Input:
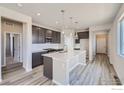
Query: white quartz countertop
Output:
(63,55)
(39,51)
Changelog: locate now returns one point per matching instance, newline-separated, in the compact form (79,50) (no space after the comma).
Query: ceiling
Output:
(85,14)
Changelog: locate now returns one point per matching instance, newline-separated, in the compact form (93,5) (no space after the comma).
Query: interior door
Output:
(16,44)
(101,44)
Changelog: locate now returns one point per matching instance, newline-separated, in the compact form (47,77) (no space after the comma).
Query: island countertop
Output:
(58,65)
(63,55)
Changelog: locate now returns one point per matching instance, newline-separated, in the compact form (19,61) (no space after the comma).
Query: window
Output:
(122,37)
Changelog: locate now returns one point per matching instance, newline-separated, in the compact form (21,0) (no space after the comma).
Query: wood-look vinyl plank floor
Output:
(98,72)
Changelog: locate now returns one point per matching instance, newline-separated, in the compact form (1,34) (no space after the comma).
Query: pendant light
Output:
(63,19)
(76,35)
(71,22)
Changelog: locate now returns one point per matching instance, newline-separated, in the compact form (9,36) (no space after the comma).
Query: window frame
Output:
(119,47)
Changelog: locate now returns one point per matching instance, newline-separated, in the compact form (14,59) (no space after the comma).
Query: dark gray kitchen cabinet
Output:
(37,59)
(83,35)
(42,35)
(48,67)
(48,33)
(38,35)
(48,36)
(56,37)
(35,35)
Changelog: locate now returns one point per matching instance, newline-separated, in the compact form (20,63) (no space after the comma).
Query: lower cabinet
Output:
(48,67)
(37,59)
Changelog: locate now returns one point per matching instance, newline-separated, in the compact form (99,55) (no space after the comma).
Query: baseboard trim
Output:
(56,82)
(28,70)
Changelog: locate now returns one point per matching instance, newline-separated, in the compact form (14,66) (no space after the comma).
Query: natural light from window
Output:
(122,37)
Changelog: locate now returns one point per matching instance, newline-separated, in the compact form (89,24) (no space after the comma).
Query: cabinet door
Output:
(36,59)
(35,35)
(56,37)
(48,33)
(48,67)
(48,37)
(83,35)
(41,35)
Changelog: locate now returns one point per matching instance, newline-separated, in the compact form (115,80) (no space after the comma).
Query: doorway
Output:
(101,43)
(12,54)
(13,48)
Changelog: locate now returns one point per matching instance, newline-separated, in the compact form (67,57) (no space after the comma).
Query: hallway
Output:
(98,72)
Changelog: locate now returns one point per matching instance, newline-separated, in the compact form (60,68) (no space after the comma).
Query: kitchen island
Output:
(57,65)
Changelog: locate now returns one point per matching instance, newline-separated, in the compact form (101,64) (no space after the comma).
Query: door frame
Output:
(20,36)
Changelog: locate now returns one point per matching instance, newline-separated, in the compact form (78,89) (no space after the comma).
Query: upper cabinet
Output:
(38,35)
(48,33)
(83,35)
(35,35)
(42,35)
(56,37)
(48,37)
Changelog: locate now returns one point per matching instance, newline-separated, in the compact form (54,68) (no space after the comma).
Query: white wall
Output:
(84,45)
(90,45)
(115,59)
(40,47)
(27,35)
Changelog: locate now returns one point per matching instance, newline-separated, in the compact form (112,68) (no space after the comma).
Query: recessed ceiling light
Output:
(57,22)
(38,14)
(19,4)
(63,32)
